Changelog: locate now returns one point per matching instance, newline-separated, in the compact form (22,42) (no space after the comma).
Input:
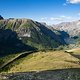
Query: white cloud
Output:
(73,1)
(43,18)
(65,17)
(57,19)
(61,18)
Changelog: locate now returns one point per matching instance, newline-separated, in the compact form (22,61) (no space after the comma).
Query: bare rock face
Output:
(1,17)
(72,28)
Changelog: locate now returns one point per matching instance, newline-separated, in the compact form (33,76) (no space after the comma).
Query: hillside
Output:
(45,65)
(10,44)
(41,61)
(18,35)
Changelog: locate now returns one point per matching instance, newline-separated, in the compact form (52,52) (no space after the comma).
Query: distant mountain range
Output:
(71,28)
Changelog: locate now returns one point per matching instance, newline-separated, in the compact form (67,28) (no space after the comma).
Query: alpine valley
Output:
(31,50)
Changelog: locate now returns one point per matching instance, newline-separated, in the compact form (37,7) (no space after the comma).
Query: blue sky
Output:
(49,11)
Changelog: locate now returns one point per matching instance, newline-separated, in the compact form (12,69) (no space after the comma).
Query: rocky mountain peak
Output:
(72,28)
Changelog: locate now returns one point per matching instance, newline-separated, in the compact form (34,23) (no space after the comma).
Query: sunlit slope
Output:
(40,61)
(75,50)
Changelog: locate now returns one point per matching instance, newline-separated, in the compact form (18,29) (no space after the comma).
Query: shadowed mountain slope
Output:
(32,33)
(9,43)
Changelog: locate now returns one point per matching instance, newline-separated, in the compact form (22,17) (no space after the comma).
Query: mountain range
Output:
(31,50)
(72,28)
(18,35)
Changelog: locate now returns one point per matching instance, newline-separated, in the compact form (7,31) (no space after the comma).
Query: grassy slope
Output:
(7,58)
(40,61)
(5,61)
(77,50)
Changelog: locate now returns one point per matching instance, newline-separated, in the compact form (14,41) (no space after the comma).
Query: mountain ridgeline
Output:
(18,35)
(71,28)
